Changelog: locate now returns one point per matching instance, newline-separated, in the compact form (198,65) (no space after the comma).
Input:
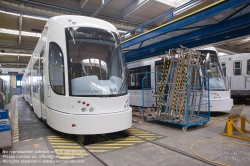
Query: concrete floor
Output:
(35,140)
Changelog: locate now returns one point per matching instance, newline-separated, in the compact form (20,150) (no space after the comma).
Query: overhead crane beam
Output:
(240,32)
(235,27)
(236,12)
(189,19)
(209,30)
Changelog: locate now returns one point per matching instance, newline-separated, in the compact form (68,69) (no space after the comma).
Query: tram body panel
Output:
(92,105)
(37,74)
(237,69)
(60,121)
(63,76)
(57,101)
(136,98)
(103,123)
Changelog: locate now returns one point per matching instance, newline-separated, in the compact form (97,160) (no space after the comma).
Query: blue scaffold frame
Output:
(187,123)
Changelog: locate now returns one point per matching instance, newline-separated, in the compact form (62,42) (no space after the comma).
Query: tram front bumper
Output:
(103,123)
(90,124)
(221,105)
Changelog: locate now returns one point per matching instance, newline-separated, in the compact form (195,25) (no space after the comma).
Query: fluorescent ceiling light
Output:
(222,54)
(192,5)
(167,1)
(182,2)
(27,16)
(15,14)
(37,18)
(178,3)
(15,54)
(245,40)
(120,31)
(127,35)
(173,3)
(16,32)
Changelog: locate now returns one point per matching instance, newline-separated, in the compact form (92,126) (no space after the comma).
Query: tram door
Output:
(41,85)
(238,78)
(247,77)
(158,73)
(158,69)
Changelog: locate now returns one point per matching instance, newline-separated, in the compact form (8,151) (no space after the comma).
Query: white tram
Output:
(237,69)
(76,78)
(220,100)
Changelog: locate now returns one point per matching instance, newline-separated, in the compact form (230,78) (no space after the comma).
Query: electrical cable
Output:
(224,141)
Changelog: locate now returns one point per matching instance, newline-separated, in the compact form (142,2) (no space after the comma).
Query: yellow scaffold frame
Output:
(231,125)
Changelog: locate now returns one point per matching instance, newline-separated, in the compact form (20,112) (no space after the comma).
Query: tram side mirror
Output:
(208,58)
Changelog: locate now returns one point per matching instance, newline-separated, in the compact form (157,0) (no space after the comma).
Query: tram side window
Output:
(56,69)
(248,67)
(224,68)
(35,87)
(28,84)
(35,76)
(237,67)
(158,72)
(41,76)
(136,75)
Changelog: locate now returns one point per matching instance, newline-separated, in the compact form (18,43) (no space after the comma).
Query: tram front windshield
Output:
(95,62)
(216,81)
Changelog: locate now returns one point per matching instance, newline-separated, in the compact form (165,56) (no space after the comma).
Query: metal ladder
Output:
(176,83)
(181,91)
(161,91)
(182,94)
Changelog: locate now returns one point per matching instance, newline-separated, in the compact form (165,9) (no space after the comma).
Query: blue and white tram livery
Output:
(76,78)
(220,100)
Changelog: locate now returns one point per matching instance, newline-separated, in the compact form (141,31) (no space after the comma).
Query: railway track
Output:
(170,148)
(66,147)
(134,136)
(95,156)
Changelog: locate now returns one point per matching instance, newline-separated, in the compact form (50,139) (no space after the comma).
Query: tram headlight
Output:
(91,109)
(83,109)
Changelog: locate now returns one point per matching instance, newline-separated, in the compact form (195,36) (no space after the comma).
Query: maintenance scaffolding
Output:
(182,95)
